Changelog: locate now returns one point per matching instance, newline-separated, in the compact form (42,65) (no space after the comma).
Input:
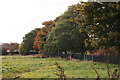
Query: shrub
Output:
(110,51)
(42,55)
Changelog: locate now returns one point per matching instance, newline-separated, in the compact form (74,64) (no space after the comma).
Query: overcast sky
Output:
(18,17)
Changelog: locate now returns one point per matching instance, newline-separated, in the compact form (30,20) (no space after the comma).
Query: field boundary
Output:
(110,59)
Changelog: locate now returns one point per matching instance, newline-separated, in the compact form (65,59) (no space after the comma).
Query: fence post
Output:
(84,57)
(118,59)
(92,57)
(107,56)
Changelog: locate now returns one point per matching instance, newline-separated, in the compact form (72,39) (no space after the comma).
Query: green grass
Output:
(29,67)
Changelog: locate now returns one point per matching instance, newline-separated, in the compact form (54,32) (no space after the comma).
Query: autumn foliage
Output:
(83,27)
(40,39)
(110,51)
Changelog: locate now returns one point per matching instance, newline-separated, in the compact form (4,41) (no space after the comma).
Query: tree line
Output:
(9,48)
(85,27)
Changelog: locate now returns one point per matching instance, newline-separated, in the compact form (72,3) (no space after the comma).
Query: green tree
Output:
(21,48)
(101,22)
(65,36)
(40,39)
(28,40)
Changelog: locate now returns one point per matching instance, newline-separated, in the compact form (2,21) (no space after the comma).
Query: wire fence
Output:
(111,59)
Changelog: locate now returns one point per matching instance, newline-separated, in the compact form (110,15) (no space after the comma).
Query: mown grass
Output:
(29,67)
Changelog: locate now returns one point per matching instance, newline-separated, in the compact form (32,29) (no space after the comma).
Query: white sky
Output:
(18,17)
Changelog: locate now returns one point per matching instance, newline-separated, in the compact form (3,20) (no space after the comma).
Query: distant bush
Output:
(42,55)
(110,51)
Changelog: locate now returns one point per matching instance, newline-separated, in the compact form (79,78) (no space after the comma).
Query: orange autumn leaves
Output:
(40,39)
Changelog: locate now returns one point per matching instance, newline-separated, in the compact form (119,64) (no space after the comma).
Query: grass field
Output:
(29,67)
